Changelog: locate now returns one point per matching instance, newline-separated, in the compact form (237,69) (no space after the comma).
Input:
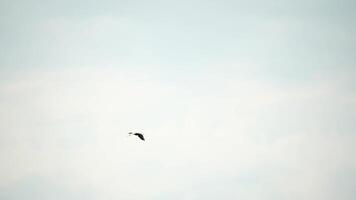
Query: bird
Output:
(138,135)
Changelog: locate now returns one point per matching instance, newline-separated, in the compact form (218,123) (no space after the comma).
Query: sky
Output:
(237,100)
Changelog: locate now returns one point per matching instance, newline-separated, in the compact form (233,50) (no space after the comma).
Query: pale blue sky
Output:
(238,100)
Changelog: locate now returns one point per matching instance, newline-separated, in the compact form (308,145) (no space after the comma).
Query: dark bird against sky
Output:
(138,135)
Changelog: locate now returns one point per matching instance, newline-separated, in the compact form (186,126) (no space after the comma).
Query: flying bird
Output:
(138,135)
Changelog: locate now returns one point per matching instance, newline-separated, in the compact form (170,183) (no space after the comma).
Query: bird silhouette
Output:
(138,135)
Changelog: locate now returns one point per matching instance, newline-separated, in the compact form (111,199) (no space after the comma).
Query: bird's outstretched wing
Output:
(140,136)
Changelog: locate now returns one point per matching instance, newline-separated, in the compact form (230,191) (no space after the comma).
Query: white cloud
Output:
(70,127)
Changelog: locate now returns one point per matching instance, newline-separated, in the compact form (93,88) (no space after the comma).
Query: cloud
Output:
(70,127)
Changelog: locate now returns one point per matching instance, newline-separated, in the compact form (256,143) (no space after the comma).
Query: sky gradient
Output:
(237,100)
